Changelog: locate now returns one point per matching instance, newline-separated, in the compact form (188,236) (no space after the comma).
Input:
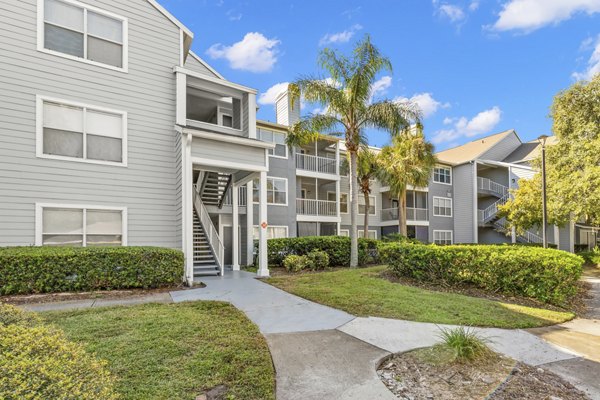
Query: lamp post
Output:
(542,140)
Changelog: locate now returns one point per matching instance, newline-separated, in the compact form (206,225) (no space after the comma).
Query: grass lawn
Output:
(175,351)
(363,293)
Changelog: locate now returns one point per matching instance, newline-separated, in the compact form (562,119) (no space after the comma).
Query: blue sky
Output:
(475,67)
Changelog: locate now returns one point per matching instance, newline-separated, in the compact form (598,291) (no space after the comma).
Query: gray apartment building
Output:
(114,133)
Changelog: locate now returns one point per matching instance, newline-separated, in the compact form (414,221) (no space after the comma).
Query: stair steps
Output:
(204,260)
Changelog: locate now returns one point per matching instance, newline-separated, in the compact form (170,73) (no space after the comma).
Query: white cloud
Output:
(233,15)
(474,5)
(268,97)
(380,87)
(452,12)
(340,37)
(426,103)
(529,15)
(593,64)
(482,123)
(254,53)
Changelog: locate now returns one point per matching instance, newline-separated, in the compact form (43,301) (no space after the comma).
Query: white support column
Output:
(181,100)
(187,207)
(235,246)
(263,267)
(337,202)
(249,223)
(337,158)
(252,115)
(475,205)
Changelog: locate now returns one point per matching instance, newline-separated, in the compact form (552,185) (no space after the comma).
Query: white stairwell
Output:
(204,260)
(214,187)
(501,225)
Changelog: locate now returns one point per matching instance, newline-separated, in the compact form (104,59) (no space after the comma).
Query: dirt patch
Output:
(430,374)
(101,294)
(577,305)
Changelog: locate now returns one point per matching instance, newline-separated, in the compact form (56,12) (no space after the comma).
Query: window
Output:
(343,201)
(442,207)
(344,232)
(278,138)
(361,204)
(442,175)
(442,237)
(273,232)
(73,131)
(276,191)
(74,30)
(372,234)
(77,226)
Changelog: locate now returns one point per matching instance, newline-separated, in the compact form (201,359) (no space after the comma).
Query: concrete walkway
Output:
(323,353)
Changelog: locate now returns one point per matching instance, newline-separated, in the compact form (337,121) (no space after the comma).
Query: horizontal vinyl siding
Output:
(463,207)
(502,149)
(151,183)
(194,65)
(229,152)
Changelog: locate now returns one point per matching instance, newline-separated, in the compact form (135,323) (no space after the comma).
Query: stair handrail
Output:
(491,186)
(225,189)
(528,236)
(212,234)
(490,212)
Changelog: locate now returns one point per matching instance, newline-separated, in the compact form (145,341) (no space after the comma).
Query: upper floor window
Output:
(442,207)
(276,191)
(81,226)
(79,132)
(442,175)
(76,30)
(277,138)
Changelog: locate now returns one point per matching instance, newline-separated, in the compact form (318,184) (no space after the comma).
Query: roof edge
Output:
(172,18)
(201,61)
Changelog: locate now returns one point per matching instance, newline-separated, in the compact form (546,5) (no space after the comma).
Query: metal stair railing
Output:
(212,234)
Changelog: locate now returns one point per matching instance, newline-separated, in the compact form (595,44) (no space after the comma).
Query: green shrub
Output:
(397,237)
(336,247)
(591,257)
(39,363)
(465,344)
(11,315)
(318,260)
(60,269)
(295,263)
(545,274)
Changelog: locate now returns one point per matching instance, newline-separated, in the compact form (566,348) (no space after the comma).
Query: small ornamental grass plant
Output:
(464,344)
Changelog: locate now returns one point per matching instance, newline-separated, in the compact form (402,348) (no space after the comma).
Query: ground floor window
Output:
(80,226)
(344,232)
(372,234)
(273,232)
(442,237)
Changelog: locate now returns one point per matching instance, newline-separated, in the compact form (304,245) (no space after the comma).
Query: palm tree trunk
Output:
(353,210)
(402,214)
(366,223)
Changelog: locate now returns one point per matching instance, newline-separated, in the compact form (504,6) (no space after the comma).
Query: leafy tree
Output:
(346,97)
(572,164)
(409,160)
(368,169)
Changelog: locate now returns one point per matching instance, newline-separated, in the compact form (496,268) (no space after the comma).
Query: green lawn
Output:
(363,293)
(175,351)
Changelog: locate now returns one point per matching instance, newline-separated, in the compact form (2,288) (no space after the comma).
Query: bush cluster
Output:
(545,274)
(591,257)
(26,270)
(336,247)
(37,362)
(314,260)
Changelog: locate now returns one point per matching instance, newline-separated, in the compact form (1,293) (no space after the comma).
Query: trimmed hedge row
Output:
(25,270)
(37,362)
(337,247)
(591,257)
(545,274)
(314,261)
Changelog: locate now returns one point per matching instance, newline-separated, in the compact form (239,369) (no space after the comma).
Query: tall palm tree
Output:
(346,98)
(368,169)
(409,160)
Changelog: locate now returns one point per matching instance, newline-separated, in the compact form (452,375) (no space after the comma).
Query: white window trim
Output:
(347,231)
(451,207)
(39,223)
(286,147)
(125,44)
(39,131)
(444,167)
(360,195)
(286,192)
(443,231)
(287,230)
(369,232)
(347,203)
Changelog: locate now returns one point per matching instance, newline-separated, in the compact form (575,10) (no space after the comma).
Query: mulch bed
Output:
(411,376)
(101,294)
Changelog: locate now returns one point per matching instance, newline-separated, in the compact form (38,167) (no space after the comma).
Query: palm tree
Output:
(346,98)
(409,160)
(368,168)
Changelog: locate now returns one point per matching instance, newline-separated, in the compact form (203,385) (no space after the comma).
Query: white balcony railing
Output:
(242,198)
(488,214)
(412,214)
(319,208)
(312,163)
(491,186)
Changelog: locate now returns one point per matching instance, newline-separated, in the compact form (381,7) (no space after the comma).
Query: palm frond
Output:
(311,128)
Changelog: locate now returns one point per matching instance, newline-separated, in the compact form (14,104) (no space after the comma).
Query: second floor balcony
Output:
(412,214)
(317,208)
(324,165)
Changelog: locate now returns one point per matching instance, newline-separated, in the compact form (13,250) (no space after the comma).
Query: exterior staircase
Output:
(204,259)
(214,188)
(527,237)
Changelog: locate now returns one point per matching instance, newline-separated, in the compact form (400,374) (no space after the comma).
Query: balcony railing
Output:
(319,208)
(412,214)
(312,163)
(241,197)
(491,186)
